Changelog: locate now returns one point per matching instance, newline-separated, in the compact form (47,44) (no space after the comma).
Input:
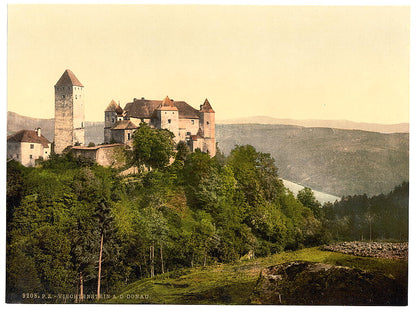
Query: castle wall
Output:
(209,146)
(107,135)
(187,125)
(207,124)
(169,120)
(123,136)
(106,155)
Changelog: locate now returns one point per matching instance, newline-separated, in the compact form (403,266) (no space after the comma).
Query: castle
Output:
(195,127)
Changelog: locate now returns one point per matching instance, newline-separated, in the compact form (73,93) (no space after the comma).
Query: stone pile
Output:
(307,283)
(386,250)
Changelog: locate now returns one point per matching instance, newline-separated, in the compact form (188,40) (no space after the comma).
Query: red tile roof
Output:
(143,108)
(206,107)
(28,136)
(68,79)
(167,105)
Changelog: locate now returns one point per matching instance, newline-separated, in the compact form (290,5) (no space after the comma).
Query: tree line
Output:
(74,227)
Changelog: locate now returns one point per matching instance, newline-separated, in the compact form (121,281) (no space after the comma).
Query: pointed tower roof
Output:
(167,105)
(111,107)
(119,110)
(206,107)
(68,79)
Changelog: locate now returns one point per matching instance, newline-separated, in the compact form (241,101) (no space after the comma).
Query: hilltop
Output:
(341,124)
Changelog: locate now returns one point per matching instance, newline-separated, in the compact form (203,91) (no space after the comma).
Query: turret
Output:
(207,125)
(110,118)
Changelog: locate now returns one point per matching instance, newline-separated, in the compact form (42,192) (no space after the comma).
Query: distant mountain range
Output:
(326,159)
(94,131)
(341,124)
(335,161)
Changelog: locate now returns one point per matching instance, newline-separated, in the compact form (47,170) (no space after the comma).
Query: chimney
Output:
(38,132)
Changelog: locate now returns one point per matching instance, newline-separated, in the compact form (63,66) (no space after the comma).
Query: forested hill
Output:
(335,161)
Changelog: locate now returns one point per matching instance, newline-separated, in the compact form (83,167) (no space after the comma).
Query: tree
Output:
(182,151)
(152,147)
(256,174)
(307,198)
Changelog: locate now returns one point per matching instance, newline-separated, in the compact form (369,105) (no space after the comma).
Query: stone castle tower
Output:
(112,114)
(207,125)
(69,112)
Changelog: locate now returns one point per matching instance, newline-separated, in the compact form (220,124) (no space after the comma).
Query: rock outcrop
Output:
(306,283)
(386,250)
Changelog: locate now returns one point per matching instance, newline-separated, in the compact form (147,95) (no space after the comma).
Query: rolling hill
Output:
(335,161)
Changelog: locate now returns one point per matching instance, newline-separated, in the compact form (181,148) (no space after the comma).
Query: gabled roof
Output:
(124,124)
(28,136)
(206,107)
(68,79)
(111,107)
(143,108)
(167,105)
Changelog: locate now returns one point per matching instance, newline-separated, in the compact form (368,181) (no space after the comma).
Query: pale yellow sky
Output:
(303,62)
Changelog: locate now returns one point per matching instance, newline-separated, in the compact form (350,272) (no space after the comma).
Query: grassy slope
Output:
(233,283)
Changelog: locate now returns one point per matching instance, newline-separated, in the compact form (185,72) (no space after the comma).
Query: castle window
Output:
(169,121)
(82,124)
(63,96)
(30,156)
(32,146)
(76,97)
(112,120)
(128,136)
(207,123)
(192,122)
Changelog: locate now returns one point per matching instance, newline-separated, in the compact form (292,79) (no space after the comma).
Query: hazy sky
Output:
(303,62)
